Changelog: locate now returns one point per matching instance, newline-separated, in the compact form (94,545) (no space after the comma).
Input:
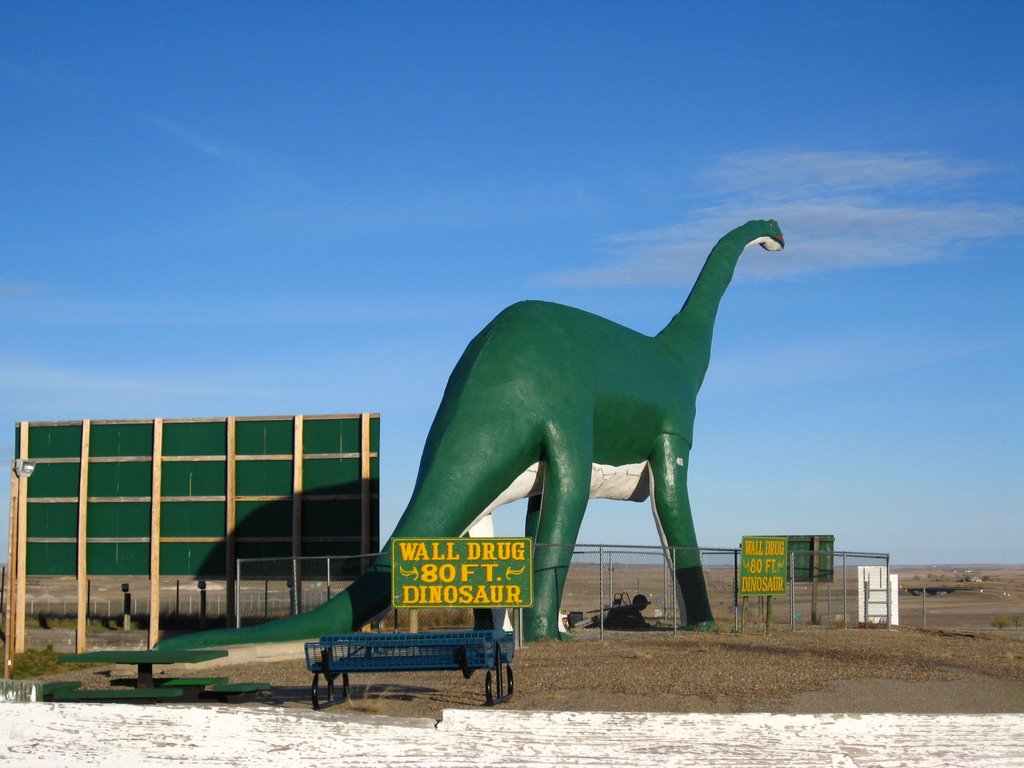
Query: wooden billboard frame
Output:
(19,540)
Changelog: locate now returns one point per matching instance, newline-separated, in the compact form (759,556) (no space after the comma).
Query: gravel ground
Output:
(808,671)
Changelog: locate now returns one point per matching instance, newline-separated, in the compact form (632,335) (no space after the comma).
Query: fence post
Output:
(735,590)
(888,594)
(846,596)
(924,607)
(792,592)
(238,593)
(600,604)
(295,587)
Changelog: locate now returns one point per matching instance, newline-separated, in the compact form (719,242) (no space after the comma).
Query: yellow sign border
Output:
(458,578)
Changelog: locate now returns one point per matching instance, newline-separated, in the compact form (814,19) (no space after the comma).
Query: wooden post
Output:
(21,543)
(768,616)
(297,450)
(364,488)
(82,571)
(155,493)
(229,522)
(12,575)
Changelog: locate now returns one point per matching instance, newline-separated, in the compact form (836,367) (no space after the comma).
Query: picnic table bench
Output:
(144,688)
(142,660)
(465,650)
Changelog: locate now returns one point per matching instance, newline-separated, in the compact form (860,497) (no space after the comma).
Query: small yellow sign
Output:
(464,572)
(763,565)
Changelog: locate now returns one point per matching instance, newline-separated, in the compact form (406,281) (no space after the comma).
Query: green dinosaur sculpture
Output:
(562,406)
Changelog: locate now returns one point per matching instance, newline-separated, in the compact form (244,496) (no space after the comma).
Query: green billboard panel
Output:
(184,519)
(256,519)
(121,439)
(53,520)
(261,549)
(111,558)
(113,519)
(199,492)
(195,438)
(264,438)
(329,517)
(51,481)
(45,558)
(330,436)
(263,478)
(54,441)
(812,558)
(331,475)
(194,478)
(120,478)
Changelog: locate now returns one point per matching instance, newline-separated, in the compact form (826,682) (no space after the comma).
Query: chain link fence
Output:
(606,588)
(271,588)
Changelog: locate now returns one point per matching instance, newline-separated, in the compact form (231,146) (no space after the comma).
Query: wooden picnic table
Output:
(143,660)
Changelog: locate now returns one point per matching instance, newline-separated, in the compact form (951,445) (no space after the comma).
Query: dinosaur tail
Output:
(365,598)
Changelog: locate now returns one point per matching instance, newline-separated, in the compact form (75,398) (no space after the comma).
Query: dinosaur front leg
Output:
(671,502)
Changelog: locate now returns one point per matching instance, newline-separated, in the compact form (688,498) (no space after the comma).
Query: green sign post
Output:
(463,572)
(763,571)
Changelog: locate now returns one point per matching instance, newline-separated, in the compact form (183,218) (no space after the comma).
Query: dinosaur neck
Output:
(690,331)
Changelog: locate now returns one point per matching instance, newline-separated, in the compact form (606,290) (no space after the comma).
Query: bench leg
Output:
(329,678)
(313,690)
(503,693)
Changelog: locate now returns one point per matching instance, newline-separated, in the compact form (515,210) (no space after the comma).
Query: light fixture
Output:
(24,467)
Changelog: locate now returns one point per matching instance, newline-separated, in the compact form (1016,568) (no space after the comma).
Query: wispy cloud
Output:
(838,210)
(59,390)
(11,290)
(203,144)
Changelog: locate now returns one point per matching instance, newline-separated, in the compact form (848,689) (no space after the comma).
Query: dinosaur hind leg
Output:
(671,502)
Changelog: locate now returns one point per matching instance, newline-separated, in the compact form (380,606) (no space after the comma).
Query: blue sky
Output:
(265,209)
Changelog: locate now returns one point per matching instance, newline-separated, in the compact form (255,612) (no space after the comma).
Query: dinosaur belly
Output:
(628,482)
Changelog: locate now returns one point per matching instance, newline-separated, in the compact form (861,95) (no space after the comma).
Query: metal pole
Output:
(600,570)
(675,591)
(888,594)
(792,591)
(238,593)
(295,587)
(736,590)
(846,594)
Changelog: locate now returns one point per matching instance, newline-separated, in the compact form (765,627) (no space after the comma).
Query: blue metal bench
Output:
(466,650)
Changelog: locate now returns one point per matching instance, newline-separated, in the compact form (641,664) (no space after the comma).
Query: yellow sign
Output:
(472,573)
(763,565)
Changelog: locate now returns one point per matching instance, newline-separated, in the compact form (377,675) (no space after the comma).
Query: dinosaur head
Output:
(772,239)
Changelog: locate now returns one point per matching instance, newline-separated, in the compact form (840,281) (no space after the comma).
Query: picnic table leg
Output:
(145,679)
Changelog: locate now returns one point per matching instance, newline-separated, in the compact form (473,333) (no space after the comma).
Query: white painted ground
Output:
(126,735)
